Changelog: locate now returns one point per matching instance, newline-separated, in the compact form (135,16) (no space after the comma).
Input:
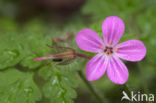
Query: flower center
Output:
(108,50)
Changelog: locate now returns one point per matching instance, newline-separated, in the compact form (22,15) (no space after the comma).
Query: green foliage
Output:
(18,49)
(22,48)
(11,50)
(60,84)
(15,47)
(146,23)
(103,8)
(18,87)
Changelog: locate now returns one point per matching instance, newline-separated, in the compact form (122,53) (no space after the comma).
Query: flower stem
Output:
(92,89)
(127,89)
(83,56)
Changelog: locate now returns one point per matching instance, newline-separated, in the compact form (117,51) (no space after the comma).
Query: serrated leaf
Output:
(18,87)
(29,62)
(60,85)
(25,47)
(11,50)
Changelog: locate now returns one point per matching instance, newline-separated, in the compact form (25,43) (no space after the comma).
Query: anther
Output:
(109,42)
(116,50)
(101,47)
(108,50)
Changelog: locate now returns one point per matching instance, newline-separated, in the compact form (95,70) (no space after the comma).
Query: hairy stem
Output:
(126,88)
(92,89)
(83,56)
(88,84)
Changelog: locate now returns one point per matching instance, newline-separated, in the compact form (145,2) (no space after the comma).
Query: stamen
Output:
(109,42)
(116,50)
(108,50)
(101,47)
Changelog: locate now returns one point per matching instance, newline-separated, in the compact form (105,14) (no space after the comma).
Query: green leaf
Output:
(24,47)
(18,87)
(34,47)
(11,50)
(29,62)
(60,85)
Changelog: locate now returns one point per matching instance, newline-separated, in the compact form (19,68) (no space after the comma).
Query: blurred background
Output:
(27,26)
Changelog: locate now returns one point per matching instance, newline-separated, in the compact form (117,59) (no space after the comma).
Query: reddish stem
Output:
(83,56)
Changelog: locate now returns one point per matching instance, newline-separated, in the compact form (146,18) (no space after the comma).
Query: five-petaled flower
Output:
(109,52)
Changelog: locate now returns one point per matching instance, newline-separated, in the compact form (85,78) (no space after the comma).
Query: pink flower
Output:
(109,52)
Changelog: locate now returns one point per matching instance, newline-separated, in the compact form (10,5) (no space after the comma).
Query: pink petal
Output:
(117,71)
(113,28)
(96,67)
(88,40)
(131,50)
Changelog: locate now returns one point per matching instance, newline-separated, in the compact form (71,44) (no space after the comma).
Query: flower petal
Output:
(96,67)
(131,50)
(117,71)
(113,28)
(88,40)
